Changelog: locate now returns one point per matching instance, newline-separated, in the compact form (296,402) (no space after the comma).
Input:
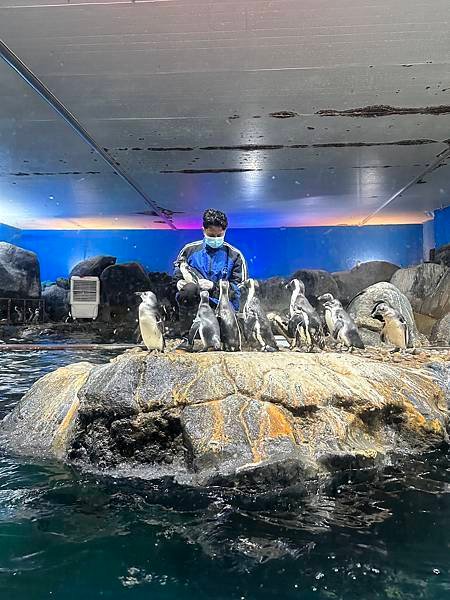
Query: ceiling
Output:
(262,108)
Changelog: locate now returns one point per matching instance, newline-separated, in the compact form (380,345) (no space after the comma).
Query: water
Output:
(67,535)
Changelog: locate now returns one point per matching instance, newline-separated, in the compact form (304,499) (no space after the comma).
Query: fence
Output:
(18,311)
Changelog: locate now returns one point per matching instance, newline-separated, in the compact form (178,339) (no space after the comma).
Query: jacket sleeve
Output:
(238,275)
(177,275)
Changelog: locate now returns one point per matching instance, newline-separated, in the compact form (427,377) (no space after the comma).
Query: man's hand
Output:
(205,284)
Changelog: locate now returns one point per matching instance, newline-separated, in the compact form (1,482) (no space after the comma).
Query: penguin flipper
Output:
(193,332)
(249,325)
(337,327)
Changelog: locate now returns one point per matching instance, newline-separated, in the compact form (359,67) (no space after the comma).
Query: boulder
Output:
(56,302)
(119,284)
(273,294)
(427,287)
(63,283)
(93,266)
(442,255)
(316,282)
(362,276)
(19,272)
(246,419)
(362,305)
(440,334)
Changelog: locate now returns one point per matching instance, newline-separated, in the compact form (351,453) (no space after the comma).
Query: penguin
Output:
(229,327)
(256,324)
(304,323)
(298,298)
(395,329)
(190,275)
(35,316)
(345,330)
(305,328)
(150,322)
(19,315)
(206,324)
(331,306)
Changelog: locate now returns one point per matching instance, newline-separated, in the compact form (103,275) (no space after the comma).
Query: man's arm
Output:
(239,274)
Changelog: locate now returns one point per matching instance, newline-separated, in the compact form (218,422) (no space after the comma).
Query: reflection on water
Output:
(68,535)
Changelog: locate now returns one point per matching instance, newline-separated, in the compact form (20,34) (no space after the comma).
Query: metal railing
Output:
(19,311)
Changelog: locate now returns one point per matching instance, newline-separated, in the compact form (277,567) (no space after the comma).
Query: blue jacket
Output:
(214,264)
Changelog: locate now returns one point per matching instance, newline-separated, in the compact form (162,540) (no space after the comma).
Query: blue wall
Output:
(442,226)
(9,234)
(268,251)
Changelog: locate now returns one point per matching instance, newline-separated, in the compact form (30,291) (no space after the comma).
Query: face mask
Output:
(214,242)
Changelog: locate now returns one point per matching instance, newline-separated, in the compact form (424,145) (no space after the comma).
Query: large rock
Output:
(442,255)
(56,302)
(362,305)
(273,294)
(243,419)
(93,266)
(440,334)
(119,284)
(317,282)
(362,276)
(427,287)
(19,272)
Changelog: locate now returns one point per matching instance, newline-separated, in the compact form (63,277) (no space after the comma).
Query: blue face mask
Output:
(214,242)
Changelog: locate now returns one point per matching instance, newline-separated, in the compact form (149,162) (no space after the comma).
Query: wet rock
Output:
(440,334)
(56,302)
(19,272)
(93,266)
(427,287)
(362,305)
(442,255)
(362,276)
(247,419)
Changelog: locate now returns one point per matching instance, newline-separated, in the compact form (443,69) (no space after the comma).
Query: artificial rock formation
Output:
(92,266)
(232,419)
(19,272)
(362,276)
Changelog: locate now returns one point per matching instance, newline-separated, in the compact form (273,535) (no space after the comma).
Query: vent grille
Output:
(84,290)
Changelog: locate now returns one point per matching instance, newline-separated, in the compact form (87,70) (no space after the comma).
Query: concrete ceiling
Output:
(239,105)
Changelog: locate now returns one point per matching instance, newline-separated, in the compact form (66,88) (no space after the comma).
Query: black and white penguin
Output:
(305,329)
(345,330)
(190,275)
(298,298)
(331,305)
(229,327)
(256,324)
(206,324)
(151,323)
(304,325)
(395,329)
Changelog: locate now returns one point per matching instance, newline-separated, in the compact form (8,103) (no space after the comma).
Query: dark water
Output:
(66,535)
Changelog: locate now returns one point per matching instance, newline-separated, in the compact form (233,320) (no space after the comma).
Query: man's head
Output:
(215,223)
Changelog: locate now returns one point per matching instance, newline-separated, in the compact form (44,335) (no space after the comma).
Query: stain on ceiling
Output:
(282,113)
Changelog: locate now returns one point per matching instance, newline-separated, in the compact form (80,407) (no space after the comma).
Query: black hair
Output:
(214,218)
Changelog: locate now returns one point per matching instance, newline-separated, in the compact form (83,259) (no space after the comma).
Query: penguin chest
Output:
(395,333)
(150,331)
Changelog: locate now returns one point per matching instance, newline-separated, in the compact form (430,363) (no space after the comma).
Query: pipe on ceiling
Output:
(38,86)
(431,167)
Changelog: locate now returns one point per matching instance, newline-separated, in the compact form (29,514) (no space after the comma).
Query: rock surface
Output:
(317,282)
(362,276)
(119,284)
(19,272)
(362,305)
(232,419)
(427,287)
(440,334)
(442,255)
(93,266)
(56,302)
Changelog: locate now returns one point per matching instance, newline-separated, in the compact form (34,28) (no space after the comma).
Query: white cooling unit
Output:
(84,297)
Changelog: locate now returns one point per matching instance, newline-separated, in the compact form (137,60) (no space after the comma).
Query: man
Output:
(209,260)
